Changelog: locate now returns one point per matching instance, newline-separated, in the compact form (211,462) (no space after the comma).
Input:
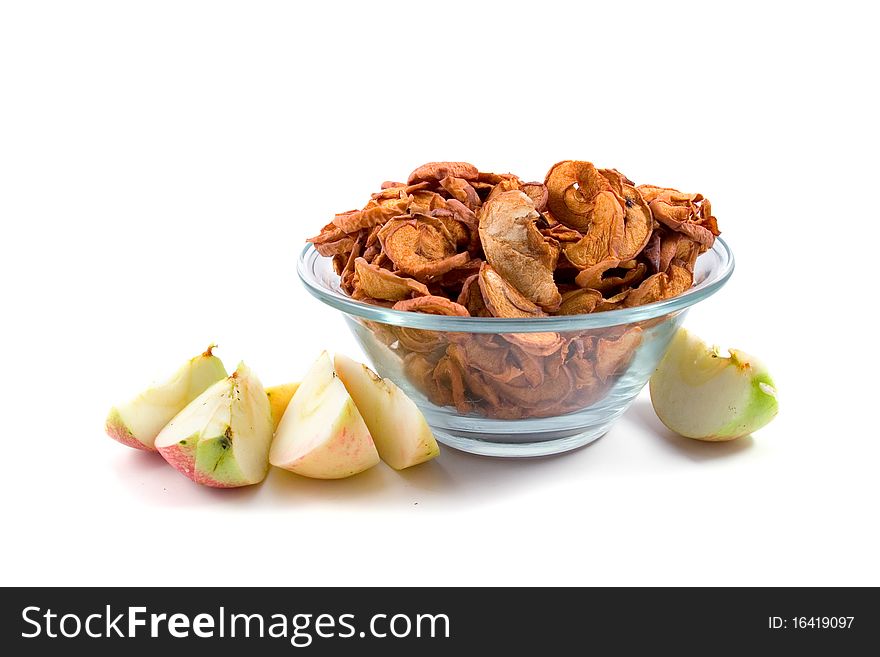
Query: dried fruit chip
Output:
(486,354)
(579,302)
(422,248)
(472,298)
(515,248)
(614,355)
(652,251)
(374,213)
(611,274)
(380,283)
(613,302)
(690,214)
(536,397)
(420,340)
(447,374)
(462,191)
(502,299)
(605,237)
(538,193)
(332,241)
(638,223)
(537,344)
(433,306)
(393,189)
(681,279)
(434,171)
(424,201)
(650,290)
(572,188)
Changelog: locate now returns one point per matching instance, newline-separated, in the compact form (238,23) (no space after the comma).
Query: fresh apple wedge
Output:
(399,429)
(700,394)
(322,433)
(137,422)
(222,438)
(279,398)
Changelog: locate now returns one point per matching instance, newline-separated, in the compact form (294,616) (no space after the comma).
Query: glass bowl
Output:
(517,387)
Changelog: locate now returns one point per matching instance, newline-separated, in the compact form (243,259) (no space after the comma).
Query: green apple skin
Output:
(222,438)
(137,422)
(700,394)
(400,431)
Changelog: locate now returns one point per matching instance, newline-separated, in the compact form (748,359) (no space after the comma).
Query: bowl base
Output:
(538,445)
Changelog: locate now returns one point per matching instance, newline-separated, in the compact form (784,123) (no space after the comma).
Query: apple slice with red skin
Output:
(222,438)
(322,434)
(137,422)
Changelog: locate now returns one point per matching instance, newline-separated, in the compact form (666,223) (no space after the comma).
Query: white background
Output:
(162,162)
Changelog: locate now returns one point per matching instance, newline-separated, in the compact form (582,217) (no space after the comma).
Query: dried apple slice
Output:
(374,213)
(424,201)
(536,344)
(681,279)
(380,283)
(433,305)
(614,355)
(476,381)
(332,241)
(538,193)
(421,247)
(616,179)
(652,251)
(485,353)
(654,288)
(568,203)
(690,214)
(438,170)
(579,302)
(447,375)
(508,183)
(538,397)
(613,302)
(502,299)
(398,190)
(472,298)
(611,274)
(515,248)
(462,191)
(572,187)
(605,236)
(638,223)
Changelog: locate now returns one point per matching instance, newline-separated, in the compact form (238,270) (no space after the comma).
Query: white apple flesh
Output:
(322,433)
(399,430)
(222,438)
(698,393)
(137,422)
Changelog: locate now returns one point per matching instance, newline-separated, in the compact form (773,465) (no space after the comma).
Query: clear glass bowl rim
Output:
(713,282)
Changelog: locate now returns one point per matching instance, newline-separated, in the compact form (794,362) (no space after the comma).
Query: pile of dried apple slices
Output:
(225,430)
